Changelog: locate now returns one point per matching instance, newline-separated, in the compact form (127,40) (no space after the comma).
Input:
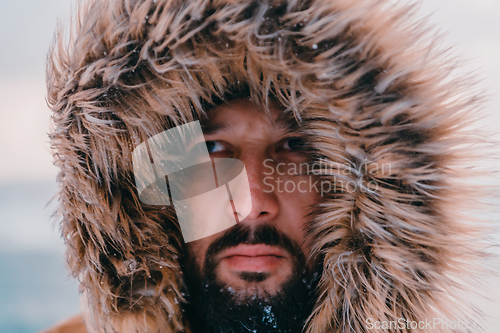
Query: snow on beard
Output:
(215,307)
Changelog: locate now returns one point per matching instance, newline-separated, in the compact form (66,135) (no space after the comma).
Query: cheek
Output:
(296,207)
(300,194)
(196,252)
(197,249)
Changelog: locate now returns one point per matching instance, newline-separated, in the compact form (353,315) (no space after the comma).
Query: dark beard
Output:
(217,308)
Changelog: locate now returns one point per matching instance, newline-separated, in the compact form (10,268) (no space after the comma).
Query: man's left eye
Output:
(294,144)
(214,146)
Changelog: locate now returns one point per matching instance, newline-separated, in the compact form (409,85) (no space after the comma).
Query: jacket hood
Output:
(364,80)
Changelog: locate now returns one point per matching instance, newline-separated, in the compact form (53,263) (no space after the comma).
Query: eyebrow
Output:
(287,121)
(211,128)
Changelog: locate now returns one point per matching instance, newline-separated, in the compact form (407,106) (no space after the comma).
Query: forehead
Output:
(244,115)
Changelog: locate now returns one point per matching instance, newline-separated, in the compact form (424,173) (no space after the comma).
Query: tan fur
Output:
(363,77)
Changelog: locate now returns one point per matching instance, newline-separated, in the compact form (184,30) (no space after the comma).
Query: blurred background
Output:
(35,290)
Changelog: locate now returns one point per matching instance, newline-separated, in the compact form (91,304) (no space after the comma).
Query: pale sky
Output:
(26,30)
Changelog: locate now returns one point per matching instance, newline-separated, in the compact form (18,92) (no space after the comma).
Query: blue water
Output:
(35,290)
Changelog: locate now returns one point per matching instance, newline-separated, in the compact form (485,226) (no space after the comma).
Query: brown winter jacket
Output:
(71,325)
(366,82)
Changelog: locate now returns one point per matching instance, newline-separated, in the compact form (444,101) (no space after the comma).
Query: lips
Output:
(253,258)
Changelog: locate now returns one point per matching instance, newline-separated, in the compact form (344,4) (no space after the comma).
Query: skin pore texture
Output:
(256,276)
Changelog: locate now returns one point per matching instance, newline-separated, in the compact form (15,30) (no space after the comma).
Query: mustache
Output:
(265,234)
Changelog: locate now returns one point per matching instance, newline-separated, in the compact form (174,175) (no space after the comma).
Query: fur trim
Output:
(363,78)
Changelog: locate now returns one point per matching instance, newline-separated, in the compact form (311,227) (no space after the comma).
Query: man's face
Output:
(266,252)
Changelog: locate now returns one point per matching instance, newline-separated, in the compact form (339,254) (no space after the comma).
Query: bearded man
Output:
(259,166)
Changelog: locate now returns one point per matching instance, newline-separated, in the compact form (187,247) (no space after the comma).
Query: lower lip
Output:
(253,264)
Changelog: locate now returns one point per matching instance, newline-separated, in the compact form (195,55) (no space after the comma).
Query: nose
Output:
(265,204)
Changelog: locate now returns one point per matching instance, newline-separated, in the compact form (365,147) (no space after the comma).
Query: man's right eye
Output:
(214,146)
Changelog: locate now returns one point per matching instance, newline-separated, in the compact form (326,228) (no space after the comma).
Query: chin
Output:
(254,282)
(255,292)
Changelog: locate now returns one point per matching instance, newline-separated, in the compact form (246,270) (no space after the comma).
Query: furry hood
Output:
(362,77)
